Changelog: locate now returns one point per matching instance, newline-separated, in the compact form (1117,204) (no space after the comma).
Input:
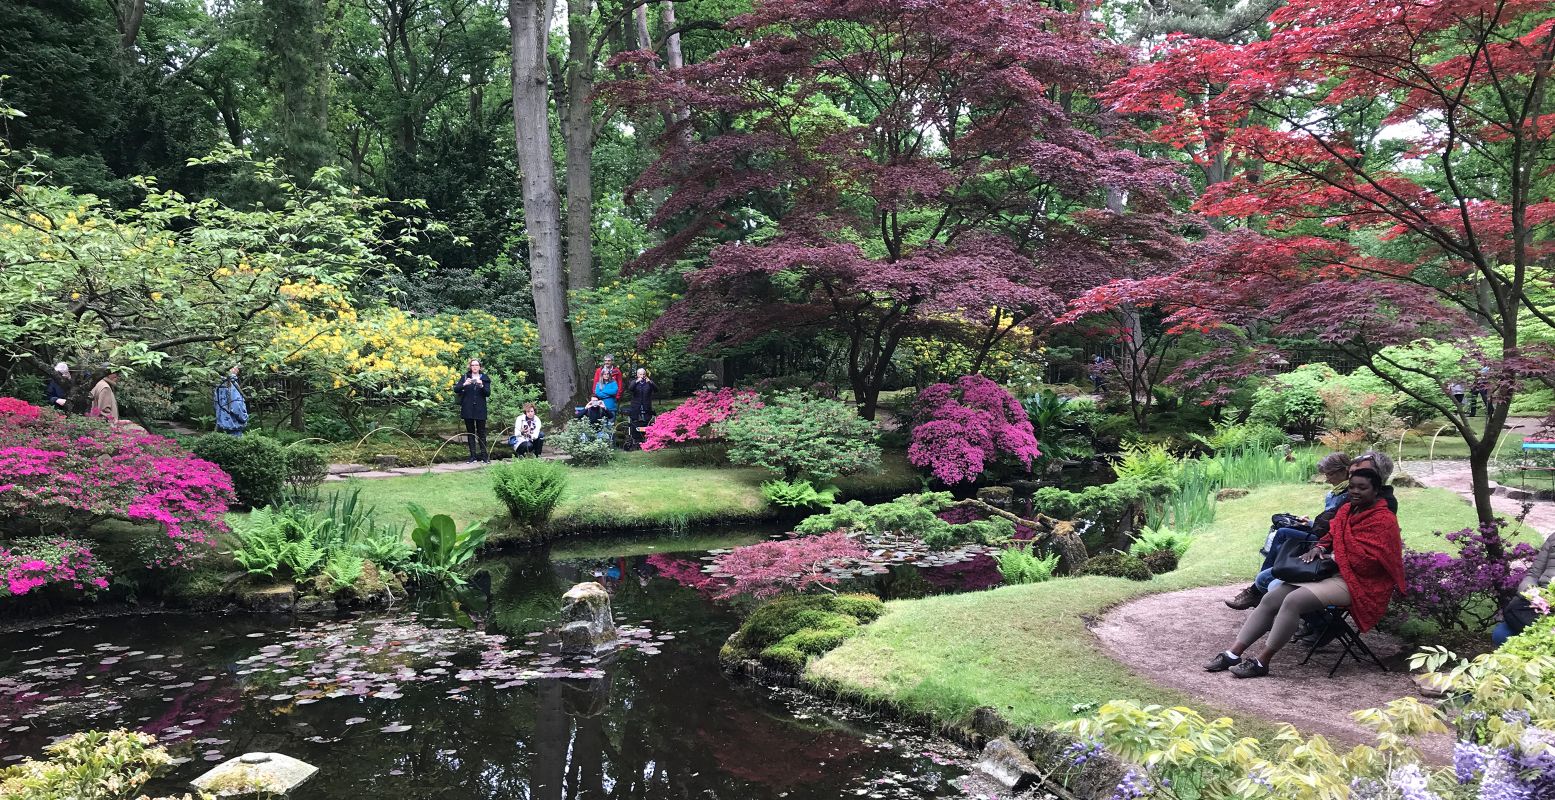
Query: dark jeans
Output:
(475,433)
(1479,397)
(531,447)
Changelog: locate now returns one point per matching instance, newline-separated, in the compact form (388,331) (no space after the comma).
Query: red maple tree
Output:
(1393,180)
(889,165)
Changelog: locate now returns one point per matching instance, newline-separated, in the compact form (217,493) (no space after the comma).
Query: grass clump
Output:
(788,631)
(530,488)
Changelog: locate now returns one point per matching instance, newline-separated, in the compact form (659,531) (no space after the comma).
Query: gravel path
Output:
(1166,638)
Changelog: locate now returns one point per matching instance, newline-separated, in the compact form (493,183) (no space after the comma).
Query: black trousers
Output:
(475,432)
(533,446)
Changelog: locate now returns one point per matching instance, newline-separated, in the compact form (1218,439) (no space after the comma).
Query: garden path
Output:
(340,472)
(1165,638)
(1453,475)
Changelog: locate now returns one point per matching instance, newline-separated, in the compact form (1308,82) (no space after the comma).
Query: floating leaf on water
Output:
(398,727)
(356,720)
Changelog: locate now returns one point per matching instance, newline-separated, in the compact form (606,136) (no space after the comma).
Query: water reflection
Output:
(669,725)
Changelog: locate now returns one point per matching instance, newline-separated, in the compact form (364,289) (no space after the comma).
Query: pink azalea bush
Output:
(697,419)
(771,568)
(37,561)
(962,428)
(61,473)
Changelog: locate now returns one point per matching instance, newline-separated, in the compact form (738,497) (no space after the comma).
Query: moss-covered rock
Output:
(1160,562)
(200,588)
(1118,565)
(788,631)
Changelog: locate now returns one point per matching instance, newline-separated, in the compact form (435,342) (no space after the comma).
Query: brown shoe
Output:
(1246,599)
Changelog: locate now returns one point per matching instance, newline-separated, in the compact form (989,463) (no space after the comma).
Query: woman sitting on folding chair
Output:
(1357,566)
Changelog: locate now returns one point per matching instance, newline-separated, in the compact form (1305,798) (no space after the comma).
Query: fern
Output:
(262,545)
(1150,540)
(343,569)
(1020,565)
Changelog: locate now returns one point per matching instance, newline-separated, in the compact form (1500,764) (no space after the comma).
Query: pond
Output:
(470,700)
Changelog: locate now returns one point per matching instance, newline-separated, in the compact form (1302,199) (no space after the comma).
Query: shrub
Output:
(1056,422)
(1161,562)
(306,465)
(1117,565)
(961,430)
(801,435)
(530,488)
(63,473)
(257,465)
(797,494)
(36,561)
(1291,400)
(1020,565)
(93,765)
(697,419)
(1230,438)
(1148,462)
(788,631)
(769,568)
(1463,591)
(915,515)
(1151,540)
(583,444)
(1535,641)
(342,570)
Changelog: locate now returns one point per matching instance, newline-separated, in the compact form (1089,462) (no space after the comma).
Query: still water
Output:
(469,699)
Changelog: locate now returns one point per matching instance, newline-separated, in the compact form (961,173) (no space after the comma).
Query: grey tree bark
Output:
(578,134)
(530,23)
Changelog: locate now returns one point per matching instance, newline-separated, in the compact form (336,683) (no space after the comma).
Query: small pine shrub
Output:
(582,443)
(257,465)
(1019,565)
(1118,565)
(530,488)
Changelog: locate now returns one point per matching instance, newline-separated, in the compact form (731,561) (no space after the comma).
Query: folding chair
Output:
(1337,628)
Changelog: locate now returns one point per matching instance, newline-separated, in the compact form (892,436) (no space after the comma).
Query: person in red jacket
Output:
(607,370)
(1365,544)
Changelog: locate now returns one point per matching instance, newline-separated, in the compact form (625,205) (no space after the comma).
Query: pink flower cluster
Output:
(11,407)
(62,472)
(963,427)
(38,561)
(696,419)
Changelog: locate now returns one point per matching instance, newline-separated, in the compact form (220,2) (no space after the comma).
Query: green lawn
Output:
(637,490)
(1025,649)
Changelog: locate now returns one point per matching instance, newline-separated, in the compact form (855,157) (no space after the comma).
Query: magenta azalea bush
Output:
(36,561)
(1465,590)
(60,474)
(962,428)
(696,420)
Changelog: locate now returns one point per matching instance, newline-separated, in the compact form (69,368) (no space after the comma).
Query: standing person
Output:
(59,388)
(1097,372)
(1456,390)
(105,403)
(231,407)
(608,383)
(528,437)
(1481,391)
(642,389)
(473,387)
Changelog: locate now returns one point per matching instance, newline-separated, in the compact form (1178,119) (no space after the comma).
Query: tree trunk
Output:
(578,133)
(530,22)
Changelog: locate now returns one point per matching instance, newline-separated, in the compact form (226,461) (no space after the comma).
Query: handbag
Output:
(1288,521)
(1289,567)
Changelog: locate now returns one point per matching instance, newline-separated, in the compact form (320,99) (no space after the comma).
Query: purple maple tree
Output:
(960,430)
(876,168)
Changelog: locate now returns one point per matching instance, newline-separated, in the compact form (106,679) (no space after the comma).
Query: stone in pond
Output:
(255,774)
(587,624)
(1005,762)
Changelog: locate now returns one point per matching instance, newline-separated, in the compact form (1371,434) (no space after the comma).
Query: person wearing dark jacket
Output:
(642,388)
(59,388)
(1520,613)
(473,388)
(1250,596)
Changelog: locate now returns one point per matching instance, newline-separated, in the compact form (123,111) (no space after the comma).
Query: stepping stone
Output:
(346,469)
(255,774)
(377,474)
(408,470)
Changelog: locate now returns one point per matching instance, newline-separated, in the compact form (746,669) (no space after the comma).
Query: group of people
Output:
(1476,393)
(227,399)
(1350,556)
(606,393)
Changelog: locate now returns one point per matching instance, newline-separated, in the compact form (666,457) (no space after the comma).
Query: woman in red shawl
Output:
(1364,542)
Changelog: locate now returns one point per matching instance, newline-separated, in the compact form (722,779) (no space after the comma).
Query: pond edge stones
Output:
(255,774)
(588,626)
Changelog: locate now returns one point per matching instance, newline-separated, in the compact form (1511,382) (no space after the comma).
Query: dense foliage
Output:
(786,632)
(93,765)
(62,474)
(961,429)
(256,464)
(916,516)
(1463,590)
(530,488)
(770,568)
(801,435)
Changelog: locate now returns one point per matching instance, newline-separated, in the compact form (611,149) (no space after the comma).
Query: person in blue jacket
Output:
(59,388)
(231,407)
(473,387)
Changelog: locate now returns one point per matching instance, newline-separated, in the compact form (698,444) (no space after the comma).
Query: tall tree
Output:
(1433,226)
(530,21)
(298,66)
(918,161)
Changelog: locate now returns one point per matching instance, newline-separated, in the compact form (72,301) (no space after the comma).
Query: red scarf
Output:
(1370,554)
